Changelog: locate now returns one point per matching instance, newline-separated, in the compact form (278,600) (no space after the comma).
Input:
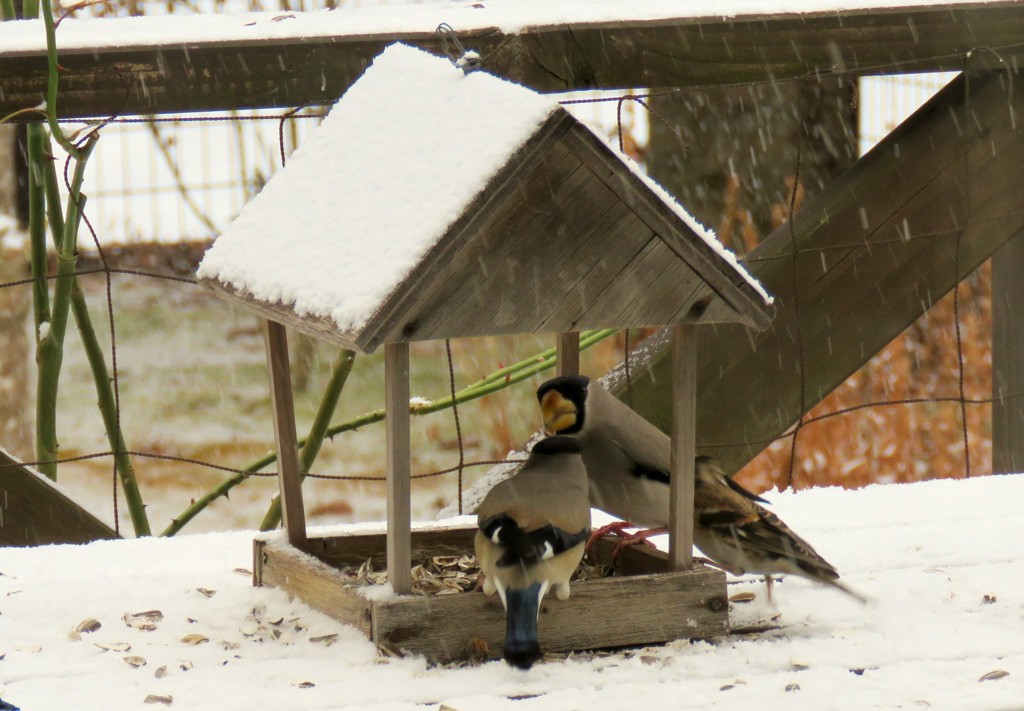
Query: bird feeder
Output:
(433,203)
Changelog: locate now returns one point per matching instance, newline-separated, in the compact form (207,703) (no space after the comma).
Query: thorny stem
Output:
(50,345)
(105,400)
(498,380)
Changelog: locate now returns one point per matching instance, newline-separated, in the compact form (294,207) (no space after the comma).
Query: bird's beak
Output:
(559,413)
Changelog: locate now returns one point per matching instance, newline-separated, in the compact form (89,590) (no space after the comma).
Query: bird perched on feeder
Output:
(533,528)
(628,464)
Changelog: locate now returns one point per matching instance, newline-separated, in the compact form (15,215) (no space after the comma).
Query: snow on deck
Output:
(927,554)
(505,15)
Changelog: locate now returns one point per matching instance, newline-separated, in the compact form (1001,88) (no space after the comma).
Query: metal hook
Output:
(458,55)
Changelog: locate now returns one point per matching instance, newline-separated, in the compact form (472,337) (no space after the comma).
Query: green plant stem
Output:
(52,83)
(50,347)
(108,409)
(37,224)
(317,431)
(105,399)
(7,10)
(30,9)
(494,382)
(46,420)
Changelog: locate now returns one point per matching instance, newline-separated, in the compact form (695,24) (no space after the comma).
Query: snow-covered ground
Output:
(942,561)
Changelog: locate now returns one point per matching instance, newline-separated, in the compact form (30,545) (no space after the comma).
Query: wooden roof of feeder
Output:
(432,204)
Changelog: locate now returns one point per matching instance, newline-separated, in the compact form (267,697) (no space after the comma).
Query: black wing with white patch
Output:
(645,471)
(531,547)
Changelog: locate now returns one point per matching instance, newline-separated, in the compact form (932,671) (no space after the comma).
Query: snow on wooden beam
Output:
(208,62)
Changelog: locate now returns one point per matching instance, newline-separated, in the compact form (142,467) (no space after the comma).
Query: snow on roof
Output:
(506,15)
(396,162)
(392,166)
(941,561)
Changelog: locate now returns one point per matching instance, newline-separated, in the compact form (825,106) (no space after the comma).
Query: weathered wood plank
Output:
(1008,357)
(354,550)
(406,316)
(737,294)
(34,512)
(680,51)
(289,476)
(875,249)
(640,559)
(444,628)
(397,470)
(567,354)
(684,427)
(609,612)
(314,582)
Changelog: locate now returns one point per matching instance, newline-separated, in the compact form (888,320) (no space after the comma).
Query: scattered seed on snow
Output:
(303,684)
(135,661)
(89,625)
(113,646)
(206,592)
(145,621)
(993,675)
(746,596)
(194,639)
(161,672)
(154,699)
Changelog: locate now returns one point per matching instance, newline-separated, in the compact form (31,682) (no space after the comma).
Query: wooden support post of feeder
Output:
(289,474)
(396,408)
(684,415)
(567,354)
(1008,358)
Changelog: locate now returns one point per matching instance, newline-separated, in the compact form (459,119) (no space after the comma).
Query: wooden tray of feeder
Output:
(446,620)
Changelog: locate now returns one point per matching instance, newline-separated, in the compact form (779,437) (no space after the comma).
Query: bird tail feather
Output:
(521,646)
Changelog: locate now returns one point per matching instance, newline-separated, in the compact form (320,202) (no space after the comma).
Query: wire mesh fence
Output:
(174,180)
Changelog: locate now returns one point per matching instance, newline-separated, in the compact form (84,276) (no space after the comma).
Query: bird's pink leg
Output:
(615,528)
(635,538)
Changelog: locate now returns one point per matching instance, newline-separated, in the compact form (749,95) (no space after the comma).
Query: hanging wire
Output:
(455,412)
(801,365)
(966,133)
(465,59)
(469,60)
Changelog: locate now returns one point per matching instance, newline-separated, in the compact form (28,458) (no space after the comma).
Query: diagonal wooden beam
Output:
(34,512)
(549,54)
(875,250)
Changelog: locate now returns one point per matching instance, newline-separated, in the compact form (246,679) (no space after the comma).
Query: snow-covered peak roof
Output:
(392,166)
(401,182)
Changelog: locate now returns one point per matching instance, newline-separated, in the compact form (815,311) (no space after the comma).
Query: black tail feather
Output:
(521,646)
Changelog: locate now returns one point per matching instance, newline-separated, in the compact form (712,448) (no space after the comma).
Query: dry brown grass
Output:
(906,442)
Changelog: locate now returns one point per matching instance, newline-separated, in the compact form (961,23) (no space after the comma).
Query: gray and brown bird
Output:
(628,464)
(533,528)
